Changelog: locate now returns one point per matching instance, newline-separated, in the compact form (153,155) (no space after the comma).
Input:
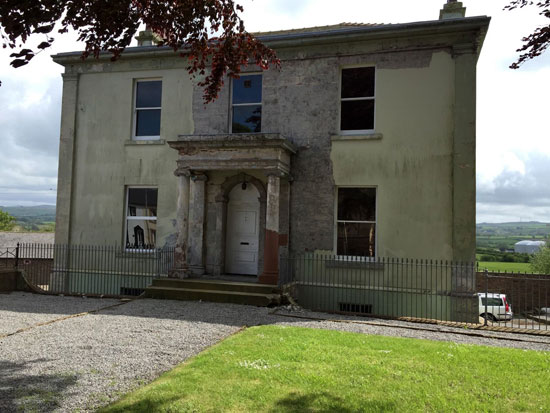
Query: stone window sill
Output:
(138,254)
(364,265)
(364,137)
(145,142)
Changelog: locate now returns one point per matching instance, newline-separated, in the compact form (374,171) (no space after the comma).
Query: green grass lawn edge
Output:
(276,368)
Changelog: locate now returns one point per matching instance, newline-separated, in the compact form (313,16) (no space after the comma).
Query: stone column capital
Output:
(199,176)
(182,172)
(275,173)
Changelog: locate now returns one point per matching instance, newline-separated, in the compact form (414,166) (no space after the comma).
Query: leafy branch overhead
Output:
(538,41)
(209,33)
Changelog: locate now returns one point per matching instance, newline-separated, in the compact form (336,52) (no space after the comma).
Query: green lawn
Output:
(505,266)
(278,369)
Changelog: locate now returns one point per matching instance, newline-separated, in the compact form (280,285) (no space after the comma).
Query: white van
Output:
(498,308)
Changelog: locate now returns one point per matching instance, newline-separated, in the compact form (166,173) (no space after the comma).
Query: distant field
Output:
(504,266)
(40,218)
(505,235)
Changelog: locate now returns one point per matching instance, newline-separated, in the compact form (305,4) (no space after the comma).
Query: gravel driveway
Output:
(80,363)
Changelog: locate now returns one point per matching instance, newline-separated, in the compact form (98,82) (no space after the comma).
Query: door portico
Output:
(205,245)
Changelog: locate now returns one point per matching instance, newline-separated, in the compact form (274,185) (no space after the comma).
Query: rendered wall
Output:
(106,160)
(411,162)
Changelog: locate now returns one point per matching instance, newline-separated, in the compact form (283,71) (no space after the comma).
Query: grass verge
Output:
(521,267)
(291,369)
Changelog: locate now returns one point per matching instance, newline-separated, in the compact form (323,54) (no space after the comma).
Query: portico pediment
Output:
(265,151)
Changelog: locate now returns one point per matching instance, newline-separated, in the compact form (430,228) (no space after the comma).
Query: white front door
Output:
(243,223)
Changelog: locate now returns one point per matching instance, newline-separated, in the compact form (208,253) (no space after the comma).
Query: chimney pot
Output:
(147,37)
(453,9)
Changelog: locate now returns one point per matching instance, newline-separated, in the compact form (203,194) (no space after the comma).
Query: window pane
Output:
(142,202)
(356,204)
(141,234)
(358,82)
(149,94)
(357,115)
(247,119)
(494,302)
(148,122)
(247,89)
(356,239)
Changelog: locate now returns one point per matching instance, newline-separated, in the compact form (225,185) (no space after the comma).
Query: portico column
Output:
(271,246)
(181,267)
(196,223)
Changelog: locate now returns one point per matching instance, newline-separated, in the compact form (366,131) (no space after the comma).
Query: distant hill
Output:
(32,218)
(47,211)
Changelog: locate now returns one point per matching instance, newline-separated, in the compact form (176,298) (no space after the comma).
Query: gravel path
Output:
(81,363)
(22,310)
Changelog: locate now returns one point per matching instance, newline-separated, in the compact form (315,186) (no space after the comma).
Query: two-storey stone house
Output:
(363,144)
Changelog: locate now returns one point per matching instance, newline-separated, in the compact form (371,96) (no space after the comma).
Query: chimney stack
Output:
(452,10)
(147,38)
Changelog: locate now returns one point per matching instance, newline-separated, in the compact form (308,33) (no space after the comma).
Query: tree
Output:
(540,262)
(7,222)
(209,33)
(538,41)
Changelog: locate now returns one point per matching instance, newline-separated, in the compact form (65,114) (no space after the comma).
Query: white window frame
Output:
(135,110)
(136,218)
(232,105)
(358,131)
(336,221)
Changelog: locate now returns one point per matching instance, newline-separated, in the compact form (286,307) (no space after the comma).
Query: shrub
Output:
(540,262)
(7,222)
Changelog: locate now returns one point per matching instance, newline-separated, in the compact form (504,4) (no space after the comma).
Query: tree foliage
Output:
(540,262)
(538,41)
(7,222)
(209,33)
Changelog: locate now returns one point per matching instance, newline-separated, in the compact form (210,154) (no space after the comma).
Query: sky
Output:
(513,137)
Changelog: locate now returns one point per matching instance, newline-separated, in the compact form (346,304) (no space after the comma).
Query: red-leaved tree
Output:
(209,33)
(538,41)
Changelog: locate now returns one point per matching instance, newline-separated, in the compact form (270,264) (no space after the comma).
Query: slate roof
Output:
(318,29)
(10,239)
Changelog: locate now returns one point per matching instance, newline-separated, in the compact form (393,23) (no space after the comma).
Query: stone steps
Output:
(218,291)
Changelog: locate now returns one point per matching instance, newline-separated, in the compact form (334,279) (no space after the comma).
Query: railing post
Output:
(17,256)
(486,295)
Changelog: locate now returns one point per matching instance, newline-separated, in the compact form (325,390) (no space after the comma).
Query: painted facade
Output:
(290,183)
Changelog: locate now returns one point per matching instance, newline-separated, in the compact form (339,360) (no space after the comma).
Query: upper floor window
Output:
(357,100)
(147,108)
(356,222)
(246,104)
(141,218)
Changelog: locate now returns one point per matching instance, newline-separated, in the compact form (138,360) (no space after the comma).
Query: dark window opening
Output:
(141,218)
(357,99)
(356,222)
(247,104)
(148,108)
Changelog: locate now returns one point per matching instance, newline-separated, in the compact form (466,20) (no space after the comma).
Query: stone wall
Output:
(525,292)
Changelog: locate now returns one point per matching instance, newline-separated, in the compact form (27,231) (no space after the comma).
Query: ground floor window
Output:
(356,222)
(141,218)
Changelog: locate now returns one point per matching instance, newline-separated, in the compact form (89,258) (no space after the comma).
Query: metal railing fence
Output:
(93,270)
(527,295)
(388,287)
(8,257)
